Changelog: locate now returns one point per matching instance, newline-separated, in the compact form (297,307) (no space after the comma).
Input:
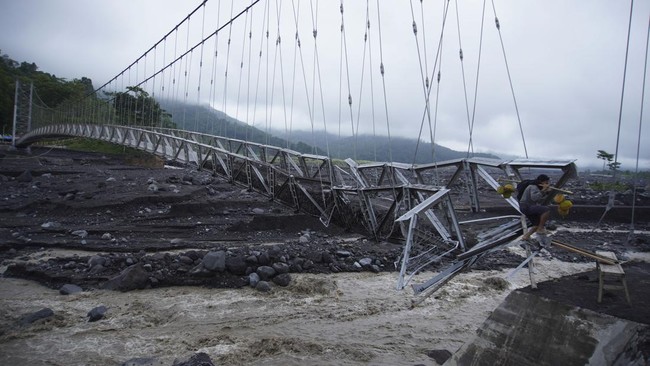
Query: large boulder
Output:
(134,277)
(32,317)
(215,261)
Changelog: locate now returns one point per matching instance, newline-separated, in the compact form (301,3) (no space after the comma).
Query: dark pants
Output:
(534,212)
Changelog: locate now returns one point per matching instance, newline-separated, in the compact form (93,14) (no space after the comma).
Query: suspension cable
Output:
(610,201)
(470,148)
(213,75)
(149,50)
(347,69)
(512,89)
(372,85)
(363,70)
(433,130)
(317,72)
(478,72)
(426,114)
(638,143)
(198,88)
(278,54)
(259,64)
(248,78)
(296,50)
(225,82)
(241,73)
(186,74)
(383,81)
(423,75)
(620,111)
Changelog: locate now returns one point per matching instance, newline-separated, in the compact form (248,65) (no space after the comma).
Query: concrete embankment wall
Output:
(530,330)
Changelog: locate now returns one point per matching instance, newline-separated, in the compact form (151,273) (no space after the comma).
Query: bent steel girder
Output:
(412,200)
(386,174)
(422,246)
(243,163)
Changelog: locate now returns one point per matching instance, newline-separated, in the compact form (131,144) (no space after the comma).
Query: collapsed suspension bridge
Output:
(248,47)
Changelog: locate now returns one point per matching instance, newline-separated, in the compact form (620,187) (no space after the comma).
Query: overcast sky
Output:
(566,61)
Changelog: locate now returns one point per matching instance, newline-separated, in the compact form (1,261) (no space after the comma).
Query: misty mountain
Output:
(202,118)
(376,148)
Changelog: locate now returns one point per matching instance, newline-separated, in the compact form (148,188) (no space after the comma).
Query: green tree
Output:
(614,165)
(48,89)
(605,157)
(136,107)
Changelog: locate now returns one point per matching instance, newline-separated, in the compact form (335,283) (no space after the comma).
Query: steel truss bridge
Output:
(410,203)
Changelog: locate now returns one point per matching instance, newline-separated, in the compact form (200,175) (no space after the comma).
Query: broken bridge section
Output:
(407,203)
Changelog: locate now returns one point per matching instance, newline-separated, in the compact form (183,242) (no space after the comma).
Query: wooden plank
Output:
(614,269)
(584,252)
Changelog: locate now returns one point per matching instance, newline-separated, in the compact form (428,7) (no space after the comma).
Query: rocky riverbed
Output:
(86,225)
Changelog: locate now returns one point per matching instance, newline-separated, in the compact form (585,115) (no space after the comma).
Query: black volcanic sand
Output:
(122,212)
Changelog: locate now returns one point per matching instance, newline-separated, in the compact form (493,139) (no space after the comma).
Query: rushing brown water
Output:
(349,318)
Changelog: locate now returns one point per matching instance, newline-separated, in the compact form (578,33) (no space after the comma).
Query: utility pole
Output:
(13,129)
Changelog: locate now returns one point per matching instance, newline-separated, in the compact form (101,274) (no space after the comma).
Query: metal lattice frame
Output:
(390,198)
(295,179)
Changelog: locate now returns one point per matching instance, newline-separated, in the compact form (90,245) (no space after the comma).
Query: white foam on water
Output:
(345,318)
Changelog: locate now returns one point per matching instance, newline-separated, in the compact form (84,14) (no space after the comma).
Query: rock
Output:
(365,262)
(263,286)
(343,253)
(199,271)
(280,267)
(264,259)
(282,279)
(96,313)
(50,225)
(236,265)
(25,177)
(144,361)
(97,269)
(265,272)
(132,278)
(69,289)
(106,236)
(314,256)
(439,355)
(201,181)
(252,259)
(215,261)
(95,260)
(327,258)
(198,359)
(253,279)
(80,233)
(258,211)
(32,317)
(185,259)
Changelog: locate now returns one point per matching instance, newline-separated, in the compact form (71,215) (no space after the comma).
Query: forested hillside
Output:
(50,89)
